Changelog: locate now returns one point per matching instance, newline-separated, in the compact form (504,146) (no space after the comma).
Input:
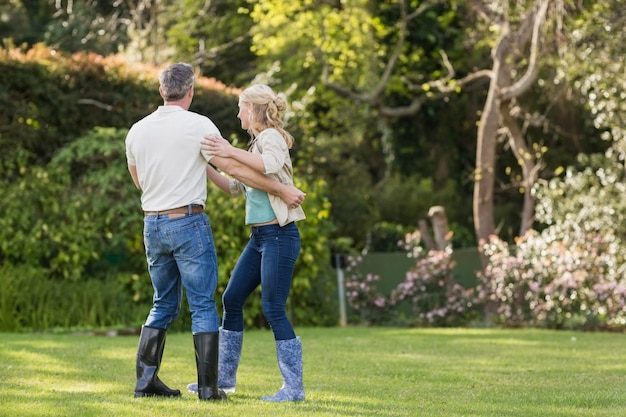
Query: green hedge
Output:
(71,244)
(48,99)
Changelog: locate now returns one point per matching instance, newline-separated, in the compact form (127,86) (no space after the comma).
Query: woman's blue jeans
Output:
(268,259)
(181,253)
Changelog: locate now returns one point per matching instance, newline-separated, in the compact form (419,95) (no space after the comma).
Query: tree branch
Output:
(374,96)
(485,13)
(217,50)
(529,77)
(443,86)
(96,103)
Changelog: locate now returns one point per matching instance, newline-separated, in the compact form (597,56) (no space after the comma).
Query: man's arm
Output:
(218,146)
(290,194)
(133,173)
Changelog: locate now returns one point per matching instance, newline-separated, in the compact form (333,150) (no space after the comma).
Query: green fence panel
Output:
(392,267)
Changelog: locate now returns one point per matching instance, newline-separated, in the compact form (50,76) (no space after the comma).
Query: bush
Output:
(373,307)
(554,282)
(48,99)
(435,298)
(386,237)
(30,301)
(78,221)
(72,215)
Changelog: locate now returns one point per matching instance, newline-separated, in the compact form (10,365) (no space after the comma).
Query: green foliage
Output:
(571,273)
(387,237)
(573,281)
(45,96)
(23,20)
(79,221)
(588,197)
(48,99)
(214,36)
(429,288)
(345,140)
(353,206)
(72,213)
(595,71)
(31,301)
(407,199)
(370,167)
(89,25)
(74,26)
(341,163)
(71,225)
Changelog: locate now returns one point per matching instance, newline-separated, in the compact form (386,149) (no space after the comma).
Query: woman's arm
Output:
(290,194)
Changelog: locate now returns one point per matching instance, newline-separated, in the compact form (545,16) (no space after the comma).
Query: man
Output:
(166,163)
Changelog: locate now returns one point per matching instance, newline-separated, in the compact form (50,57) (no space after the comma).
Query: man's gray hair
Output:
(176,80)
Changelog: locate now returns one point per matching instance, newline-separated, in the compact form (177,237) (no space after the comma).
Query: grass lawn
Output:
(350,371)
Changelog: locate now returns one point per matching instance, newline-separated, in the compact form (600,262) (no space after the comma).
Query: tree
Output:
(393,85)
(394,82)
(581,210)
(350,39)
(595,69)
(24,21)
(508,53)
(214,36)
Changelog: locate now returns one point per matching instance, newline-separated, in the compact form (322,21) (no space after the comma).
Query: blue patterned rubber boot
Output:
(230,344)
(289,353)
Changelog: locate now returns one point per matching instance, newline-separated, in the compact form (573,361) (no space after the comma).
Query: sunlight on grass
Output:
(353,371)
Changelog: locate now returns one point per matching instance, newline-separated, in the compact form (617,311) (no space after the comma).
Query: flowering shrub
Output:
(436,299)
(548,279)
(578,260)
(555,281)
(429,286)
(362,294)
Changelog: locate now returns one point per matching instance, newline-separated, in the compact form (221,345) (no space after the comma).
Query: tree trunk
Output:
(484,171)
(487,141)
(529,164)
(507,53)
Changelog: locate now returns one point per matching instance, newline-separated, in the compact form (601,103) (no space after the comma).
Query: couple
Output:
(167,160)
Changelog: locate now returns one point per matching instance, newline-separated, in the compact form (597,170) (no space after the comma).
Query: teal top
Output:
(258,207)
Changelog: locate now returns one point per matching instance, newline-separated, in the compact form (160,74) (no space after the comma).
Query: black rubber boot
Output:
(207,348)
(230,344)
(149,355)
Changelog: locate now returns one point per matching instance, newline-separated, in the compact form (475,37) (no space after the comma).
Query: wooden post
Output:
(441,230)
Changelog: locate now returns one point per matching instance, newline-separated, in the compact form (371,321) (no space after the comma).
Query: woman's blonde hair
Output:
(266,110)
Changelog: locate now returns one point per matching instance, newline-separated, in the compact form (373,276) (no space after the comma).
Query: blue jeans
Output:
(181,252)
(268,259)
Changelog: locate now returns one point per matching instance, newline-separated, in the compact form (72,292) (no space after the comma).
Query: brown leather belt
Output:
(178,211)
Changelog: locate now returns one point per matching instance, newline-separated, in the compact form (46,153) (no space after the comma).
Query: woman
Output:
(270,255)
